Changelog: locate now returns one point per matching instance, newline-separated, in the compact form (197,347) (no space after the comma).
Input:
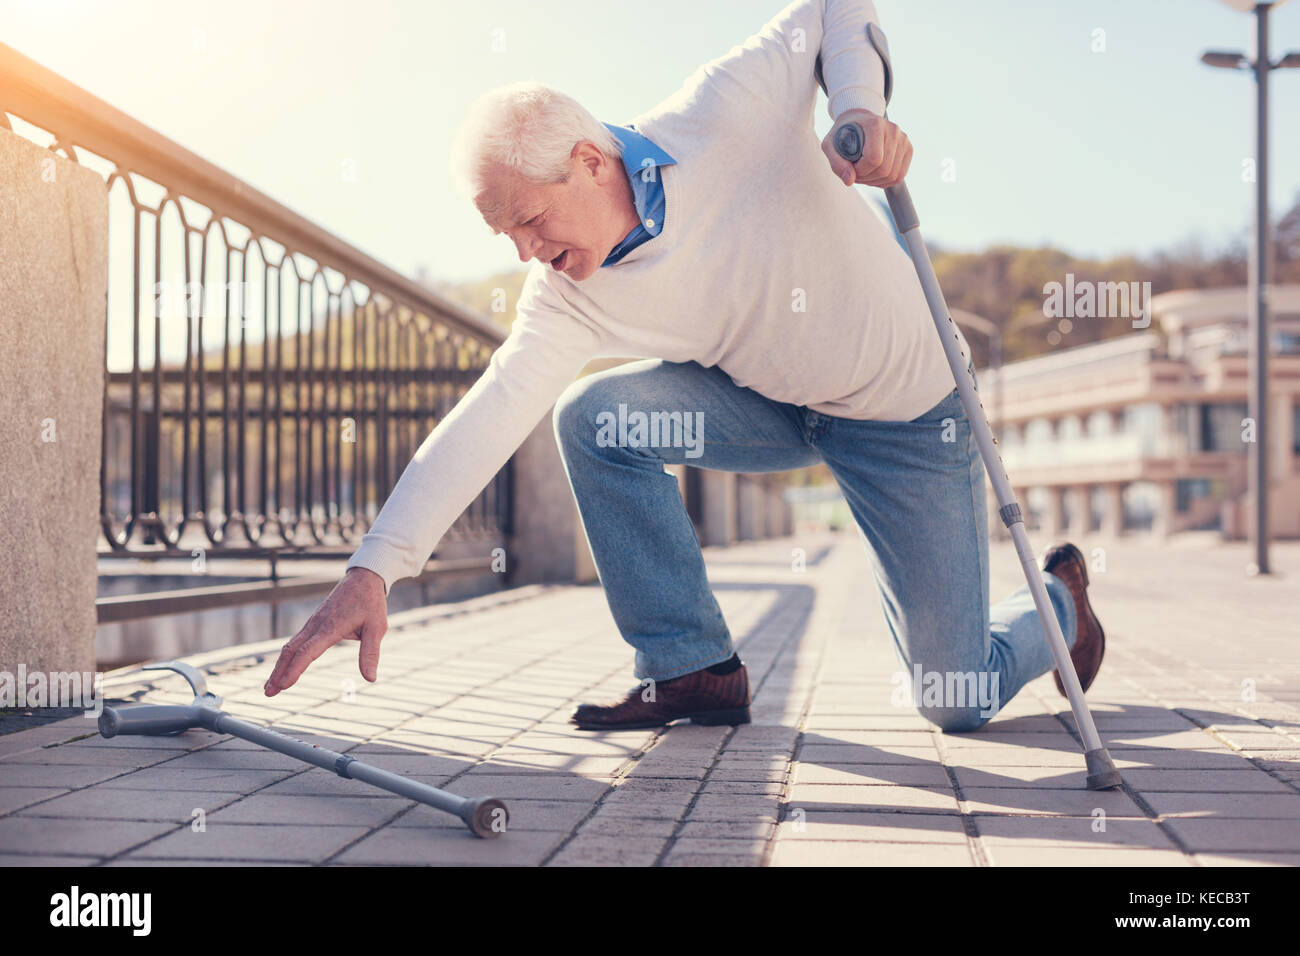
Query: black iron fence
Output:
(266,383)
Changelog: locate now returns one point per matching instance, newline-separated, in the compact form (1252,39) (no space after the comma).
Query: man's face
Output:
(571,225)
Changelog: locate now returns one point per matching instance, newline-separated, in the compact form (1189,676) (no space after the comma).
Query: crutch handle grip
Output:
(150,720)
(849,141)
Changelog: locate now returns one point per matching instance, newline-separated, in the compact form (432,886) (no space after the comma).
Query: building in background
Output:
(1148,431)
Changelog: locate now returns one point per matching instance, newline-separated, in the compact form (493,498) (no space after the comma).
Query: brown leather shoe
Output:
(701,697)
(1067,563)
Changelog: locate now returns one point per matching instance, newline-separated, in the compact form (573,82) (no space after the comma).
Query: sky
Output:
(1090,126)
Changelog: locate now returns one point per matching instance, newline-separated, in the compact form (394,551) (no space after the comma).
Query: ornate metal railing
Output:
(266,382)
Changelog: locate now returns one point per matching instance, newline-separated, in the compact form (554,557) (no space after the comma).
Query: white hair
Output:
(528,127)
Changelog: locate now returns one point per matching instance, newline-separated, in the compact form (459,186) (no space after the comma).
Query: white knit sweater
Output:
(767,266)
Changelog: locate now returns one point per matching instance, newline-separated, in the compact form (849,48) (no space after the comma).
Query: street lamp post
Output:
(1257,281)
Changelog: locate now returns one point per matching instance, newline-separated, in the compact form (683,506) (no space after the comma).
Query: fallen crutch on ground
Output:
(485,816)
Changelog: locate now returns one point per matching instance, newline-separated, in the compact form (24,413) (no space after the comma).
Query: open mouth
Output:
(560,261)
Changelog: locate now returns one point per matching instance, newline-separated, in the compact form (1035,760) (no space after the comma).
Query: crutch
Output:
(485,816)
(849,141)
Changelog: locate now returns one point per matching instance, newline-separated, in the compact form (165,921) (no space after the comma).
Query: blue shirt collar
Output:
(637,150)
(640,154)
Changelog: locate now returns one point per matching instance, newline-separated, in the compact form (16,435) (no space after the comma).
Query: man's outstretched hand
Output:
(886,154)
(357,609)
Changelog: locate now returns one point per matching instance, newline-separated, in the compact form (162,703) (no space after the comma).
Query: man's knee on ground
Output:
(956,720)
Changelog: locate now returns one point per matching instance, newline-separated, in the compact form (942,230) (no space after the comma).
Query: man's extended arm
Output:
(545,350)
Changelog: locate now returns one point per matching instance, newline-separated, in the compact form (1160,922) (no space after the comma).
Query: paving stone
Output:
(44,735)
(1006,756)
(123,757)
(1248,859)
(19,859)
(826,797)
(129,861)
(540,763)
(1203,781)
(217,758)
(104,803)
(823,853)
(900,775)
(163,779)
(1069,831)
(854,753)
(1181,760)
(1173,740)
(981,739)
(742,787)
(1049,800)
(1269,806)
(15,798)
(1222,833)
(709,850)
(1014,855)
(755,830)
(677,857)
(734,807)
(764,739)
(869,738)
(76,837)
(56,776)
(747,775)
(873,826)
(1259,740)
(627,827)
(268,808)
(648,806)
(609,851)
(248,841)
(321,783)
(559,816)
(479,782)
(1021,778)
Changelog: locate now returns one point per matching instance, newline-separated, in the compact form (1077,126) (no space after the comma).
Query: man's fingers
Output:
(372,632)
(273,683)
(904,162)
(301,659)
(874,153)
(898,163)
(839,165)
(879,174)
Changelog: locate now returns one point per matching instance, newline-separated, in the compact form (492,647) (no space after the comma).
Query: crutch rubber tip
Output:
(487,817)
(1102,774)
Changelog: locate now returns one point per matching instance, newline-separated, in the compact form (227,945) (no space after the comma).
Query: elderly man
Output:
(777,321)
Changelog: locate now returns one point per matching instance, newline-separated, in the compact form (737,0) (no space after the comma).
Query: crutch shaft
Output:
(1101,773)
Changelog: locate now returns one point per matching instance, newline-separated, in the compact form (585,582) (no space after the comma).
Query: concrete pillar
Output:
(1112,518)
(548,544)
(1054,520)
(54,273)
(1081,515)
(719,507)
(776,510)
(1166,517)
(1280,455)
(747,510)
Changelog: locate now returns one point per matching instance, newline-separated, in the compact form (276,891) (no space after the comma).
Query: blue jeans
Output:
(916,490)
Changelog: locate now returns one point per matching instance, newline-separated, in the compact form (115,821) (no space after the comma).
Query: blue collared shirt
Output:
(641,160)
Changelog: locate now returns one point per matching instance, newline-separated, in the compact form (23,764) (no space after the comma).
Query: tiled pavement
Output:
(1199,701)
